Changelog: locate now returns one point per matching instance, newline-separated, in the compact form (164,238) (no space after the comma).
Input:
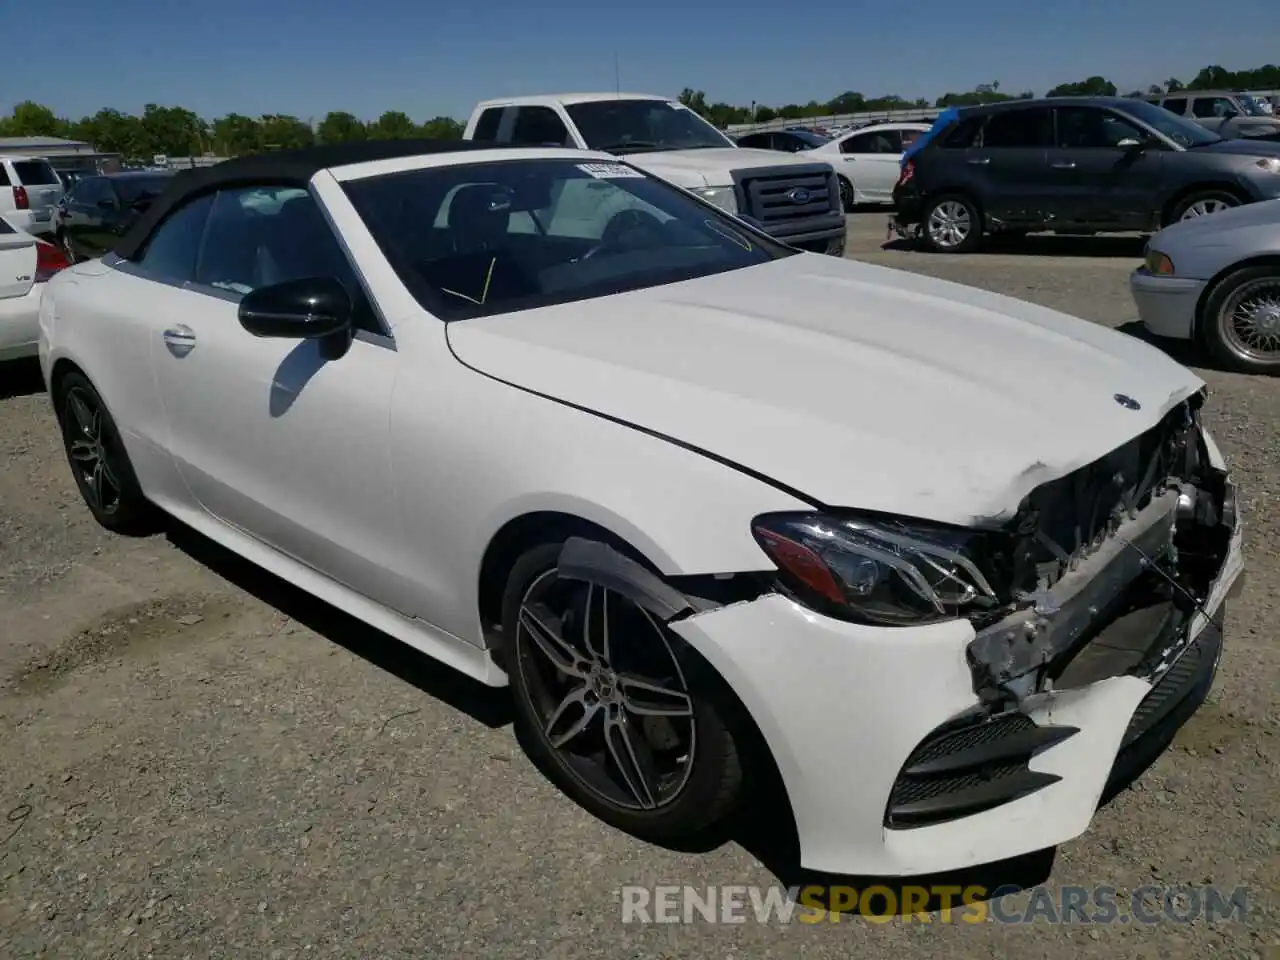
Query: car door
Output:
(1010,166)
(269,436)
(870,163)
(1107,172)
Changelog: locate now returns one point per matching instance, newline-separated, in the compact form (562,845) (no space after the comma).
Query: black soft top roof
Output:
(284,167)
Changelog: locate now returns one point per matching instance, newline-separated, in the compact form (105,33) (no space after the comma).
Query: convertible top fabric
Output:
(284,167)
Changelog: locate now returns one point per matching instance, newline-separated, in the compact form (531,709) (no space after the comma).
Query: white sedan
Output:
(681,487)
(26,264)
(867,160)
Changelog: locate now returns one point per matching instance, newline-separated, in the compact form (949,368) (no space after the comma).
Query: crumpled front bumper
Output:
(843,707)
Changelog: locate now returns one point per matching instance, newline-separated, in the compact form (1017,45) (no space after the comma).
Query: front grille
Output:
(1073,515)
(960,770)
(771,195)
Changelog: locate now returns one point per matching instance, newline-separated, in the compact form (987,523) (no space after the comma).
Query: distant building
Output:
(62,154)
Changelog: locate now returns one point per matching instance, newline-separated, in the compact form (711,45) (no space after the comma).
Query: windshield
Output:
(628,126)
(810,139)
(133,189)
(1251,106)
(1181,131)
(35,173)
(471,240)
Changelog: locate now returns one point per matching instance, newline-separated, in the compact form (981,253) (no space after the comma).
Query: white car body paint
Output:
(376,482)
(856,384)
(873,175)
(20,294)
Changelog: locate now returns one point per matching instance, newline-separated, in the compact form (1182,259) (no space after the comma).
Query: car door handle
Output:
(980,161)
(180,339)
(1064,166)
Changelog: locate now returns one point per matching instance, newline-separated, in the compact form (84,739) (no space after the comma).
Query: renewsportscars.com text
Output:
(1145,905)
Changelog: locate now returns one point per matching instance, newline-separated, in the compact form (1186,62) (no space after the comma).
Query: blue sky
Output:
(430,57)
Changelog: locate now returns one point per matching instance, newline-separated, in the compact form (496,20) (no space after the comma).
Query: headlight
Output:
(1159,264)
(1269,164)
(882,571)
(722,197)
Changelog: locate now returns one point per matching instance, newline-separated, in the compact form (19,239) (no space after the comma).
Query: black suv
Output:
(1073,165)
(99,210)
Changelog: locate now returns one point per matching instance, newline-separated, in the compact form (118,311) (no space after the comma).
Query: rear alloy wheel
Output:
(1203,204)
(614,706)
(952,224)
(98,460)
(1241,323)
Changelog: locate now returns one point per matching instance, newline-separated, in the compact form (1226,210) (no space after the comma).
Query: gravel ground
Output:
(199,762)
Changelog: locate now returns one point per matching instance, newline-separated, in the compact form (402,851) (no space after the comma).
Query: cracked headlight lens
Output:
(882,571)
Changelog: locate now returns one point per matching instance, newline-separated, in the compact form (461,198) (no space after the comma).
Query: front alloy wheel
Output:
(1242,315)
(610,700)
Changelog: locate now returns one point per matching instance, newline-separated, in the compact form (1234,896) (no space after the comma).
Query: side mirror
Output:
(1132,143)
(313,308)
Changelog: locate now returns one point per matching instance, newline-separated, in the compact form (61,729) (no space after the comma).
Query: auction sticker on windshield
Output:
(609,171)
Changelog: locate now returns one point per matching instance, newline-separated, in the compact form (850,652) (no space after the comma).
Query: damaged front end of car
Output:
(1115,570)
(1105,586)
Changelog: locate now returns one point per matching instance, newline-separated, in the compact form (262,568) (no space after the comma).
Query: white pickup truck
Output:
(791,198)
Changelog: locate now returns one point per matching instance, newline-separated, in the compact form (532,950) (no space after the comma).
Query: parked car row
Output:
(98,210)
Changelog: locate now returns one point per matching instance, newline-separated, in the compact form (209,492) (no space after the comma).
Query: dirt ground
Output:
(198,761)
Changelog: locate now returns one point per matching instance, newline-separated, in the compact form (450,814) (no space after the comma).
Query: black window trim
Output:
(381,338)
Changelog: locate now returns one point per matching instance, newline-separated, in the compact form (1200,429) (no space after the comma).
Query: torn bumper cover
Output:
(921,749)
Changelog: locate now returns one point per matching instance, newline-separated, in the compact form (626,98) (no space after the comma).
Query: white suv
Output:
(29,191)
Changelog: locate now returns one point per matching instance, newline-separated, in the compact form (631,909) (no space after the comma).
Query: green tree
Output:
(441,128)
(393,125)
(1092,87)
(280,131)
(341,127)
(30,119)
(174,131)
(236,134)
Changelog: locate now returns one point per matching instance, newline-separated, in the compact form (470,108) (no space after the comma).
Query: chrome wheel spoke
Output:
(84,452)
(562,654)
(595,623)
(632,757)
(578,705)
(84,417)
(1251,320)
(643,698)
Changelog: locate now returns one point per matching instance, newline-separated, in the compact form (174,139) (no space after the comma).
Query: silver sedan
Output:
(1216,279)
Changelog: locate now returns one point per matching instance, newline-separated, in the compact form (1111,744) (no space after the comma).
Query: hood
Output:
(1263,214)
(858,386)
(1241,146)
(711,167)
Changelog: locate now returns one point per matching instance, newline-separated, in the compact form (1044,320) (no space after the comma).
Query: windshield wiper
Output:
(629,146)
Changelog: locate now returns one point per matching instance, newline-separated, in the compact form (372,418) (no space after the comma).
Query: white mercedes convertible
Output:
(957,561)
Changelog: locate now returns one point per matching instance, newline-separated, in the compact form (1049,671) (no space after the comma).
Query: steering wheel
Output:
(620,225)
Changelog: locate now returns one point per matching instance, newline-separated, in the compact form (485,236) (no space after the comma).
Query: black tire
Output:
(709,784)
(846,195)
(1181,208)
(1230,343)
(90,438)
(958,209)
